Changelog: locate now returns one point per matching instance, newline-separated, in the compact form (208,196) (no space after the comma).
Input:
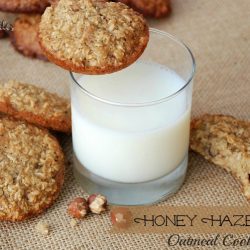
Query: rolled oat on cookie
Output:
(92,36)
(224,141)
(31,170)
(35,105)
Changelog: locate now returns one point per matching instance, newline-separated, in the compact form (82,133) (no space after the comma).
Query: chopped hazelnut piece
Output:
(97,203)
(78,208)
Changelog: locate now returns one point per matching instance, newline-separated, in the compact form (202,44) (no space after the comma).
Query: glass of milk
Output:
(131,128)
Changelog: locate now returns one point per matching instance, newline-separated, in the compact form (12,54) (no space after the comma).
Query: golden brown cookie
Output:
(92,36)
(31,170)
(24,37)
(225,141)
(150,8)
(23,6)
(35,105)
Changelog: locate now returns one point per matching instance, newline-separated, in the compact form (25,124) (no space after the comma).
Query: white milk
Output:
(131,144)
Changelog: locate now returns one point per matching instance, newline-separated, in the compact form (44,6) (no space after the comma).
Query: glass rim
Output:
(150,103)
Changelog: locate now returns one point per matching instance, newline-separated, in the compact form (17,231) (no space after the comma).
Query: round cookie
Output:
(23,6)
(92,37)
(24,37)
(35,105)
(31,170)
(150,8)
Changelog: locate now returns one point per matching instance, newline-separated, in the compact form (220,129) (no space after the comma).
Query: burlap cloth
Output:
(218,33)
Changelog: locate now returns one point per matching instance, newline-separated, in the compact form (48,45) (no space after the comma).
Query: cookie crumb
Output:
(73,223)
(42,227)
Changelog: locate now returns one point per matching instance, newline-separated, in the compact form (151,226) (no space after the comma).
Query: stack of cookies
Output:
(31,159)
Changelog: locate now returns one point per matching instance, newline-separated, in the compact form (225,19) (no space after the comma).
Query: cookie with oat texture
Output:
(31,170)
(35,105)
(23,6)
(92,36)
(24,37)
(224,141)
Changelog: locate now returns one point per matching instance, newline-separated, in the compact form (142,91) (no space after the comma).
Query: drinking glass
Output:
(130,139)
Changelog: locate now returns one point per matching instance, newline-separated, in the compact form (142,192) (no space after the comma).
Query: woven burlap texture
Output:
(217,31)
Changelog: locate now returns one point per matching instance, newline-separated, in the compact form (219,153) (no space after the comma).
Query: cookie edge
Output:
(60,125)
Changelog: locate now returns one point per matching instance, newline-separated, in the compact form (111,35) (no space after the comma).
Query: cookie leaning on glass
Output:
(92,36)
(35,105)
(224,141)
(31,167)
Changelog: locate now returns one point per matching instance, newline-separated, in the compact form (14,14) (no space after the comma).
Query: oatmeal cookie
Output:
(24,6)
(24,37)
(224,141)
(35,105)
(150,8)
(31,170)
(92,36)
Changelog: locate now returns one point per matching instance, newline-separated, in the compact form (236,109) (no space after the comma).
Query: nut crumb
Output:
(78,208)
(97,203)
(43,227)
